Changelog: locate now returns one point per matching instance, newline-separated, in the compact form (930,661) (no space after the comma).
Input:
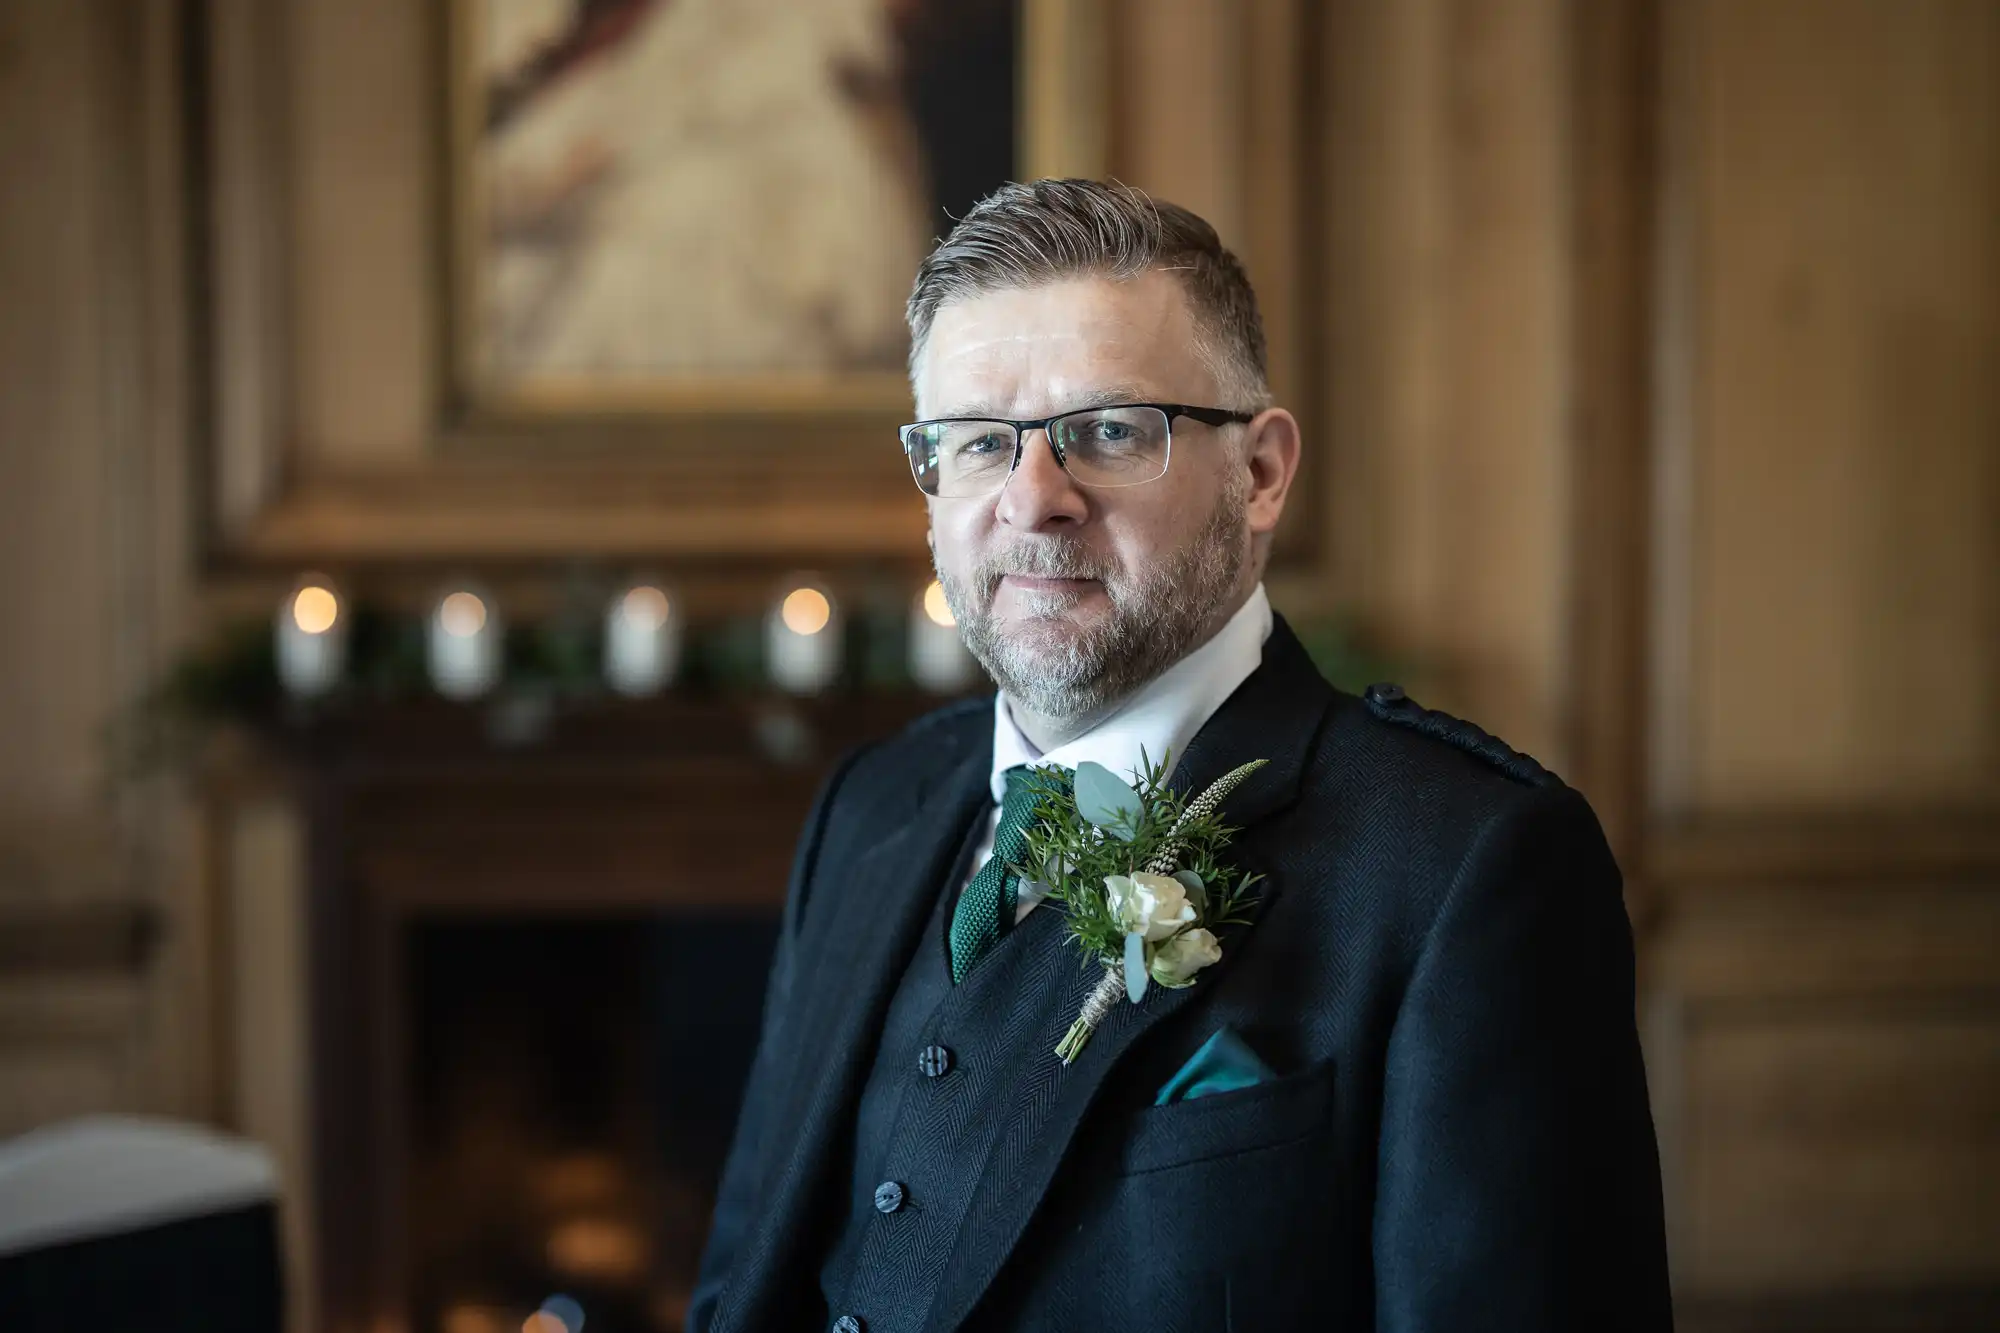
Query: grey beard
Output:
(1066,674)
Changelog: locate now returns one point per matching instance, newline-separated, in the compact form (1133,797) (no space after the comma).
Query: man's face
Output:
(1073,596)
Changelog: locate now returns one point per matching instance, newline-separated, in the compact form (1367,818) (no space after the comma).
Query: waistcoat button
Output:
(888,1197)
(847,1323)
(934,1060)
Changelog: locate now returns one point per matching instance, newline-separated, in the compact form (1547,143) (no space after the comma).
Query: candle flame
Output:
(806,611)
(315,609)
(936,607)
(462,615)
(645,607)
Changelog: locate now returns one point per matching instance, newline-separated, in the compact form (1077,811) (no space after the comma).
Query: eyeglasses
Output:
(957,458)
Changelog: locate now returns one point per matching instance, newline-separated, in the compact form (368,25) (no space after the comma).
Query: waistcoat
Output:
(931,1111)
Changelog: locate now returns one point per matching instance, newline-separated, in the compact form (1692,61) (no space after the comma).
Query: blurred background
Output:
(450,516)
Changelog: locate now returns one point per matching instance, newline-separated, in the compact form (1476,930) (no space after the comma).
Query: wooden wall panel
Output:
(268,1029)
(94,567)
(1224,121)
(1215,120)
(71,1046)
(1843,1145)
(57,424)
(1823,738)
(364,235)
(1447,327)
(1826,1070)
(1178,129)
(1838,637)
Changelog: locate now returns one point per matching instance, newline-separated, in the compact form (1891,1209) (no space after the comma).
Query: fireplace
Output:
(536,965)
(573,1082)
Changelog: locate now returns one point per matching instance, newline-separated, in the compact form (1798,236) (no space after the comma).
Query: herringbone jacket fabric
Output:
(1440,973)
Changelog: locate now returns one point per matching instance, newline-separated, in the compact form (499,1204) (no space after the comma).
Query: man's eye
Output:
(985,445)
(1107,431)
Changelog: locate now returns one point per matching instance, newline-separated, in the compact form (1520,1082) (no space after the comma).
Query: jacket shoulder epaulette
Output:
(1391,704)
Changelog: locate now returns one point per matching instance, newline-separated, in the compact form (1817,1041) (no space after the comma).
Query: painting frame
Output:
(1060,130)
(306,246)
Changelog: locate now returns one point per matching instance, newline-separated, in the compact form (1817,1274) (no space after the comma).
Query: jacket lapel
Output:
(1275,715)
(870,915)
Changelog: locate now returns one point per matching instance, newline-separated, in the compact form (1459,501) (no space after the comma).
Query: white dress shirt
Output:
(1160,719)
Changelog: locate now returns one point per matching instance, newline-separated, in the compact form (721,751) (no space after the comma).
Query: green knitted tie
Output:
(985,910)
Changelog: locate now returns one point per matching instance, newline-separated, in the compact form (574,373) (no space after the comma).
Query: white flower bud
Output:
(1176,961)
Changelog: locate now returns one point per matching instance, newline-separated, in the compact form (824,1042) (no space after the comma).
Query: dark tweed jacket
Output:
(1440,972)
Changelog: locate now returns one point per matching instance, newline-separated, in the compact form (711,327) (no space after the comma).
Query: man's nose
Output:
(1040,493)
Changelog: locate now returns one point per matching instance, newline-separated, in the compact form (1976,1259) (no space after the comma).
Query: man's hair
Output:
(1029,234)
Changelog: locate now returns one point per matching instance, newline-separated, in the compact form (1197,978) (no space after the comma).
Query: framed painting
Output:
(715,207)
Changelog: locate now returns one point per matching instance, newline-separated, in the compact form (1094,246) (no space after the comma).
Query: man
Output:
(1432,1113)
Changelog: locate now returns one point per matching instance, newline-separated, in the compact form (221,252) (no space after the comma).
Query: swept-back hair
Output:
(1029,234)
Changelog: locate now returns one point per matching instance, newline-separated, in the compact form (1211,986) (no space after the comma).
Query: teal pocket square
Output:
(1223,1064)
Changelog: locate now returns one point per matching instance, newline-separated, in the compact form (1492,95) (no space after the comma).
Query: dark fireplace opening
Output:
(573,1085)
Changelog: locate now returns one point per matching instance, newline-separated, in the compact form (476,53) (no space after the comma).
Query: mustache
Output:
(1053,559)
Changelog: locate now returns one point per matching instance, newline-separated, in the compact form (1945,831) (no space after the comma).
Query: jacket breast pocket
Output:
(1227,1211)
(1227,1124)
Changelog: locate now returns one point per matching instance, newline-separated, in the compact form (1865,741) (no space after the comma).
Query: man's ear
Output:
(1271,455)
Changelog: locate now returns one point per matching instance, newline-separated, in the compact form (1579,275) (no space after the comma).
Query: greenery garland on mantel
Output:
(232,677)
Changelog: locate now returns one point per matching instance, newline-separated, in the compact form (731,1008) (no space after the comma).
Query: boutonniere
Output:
(1136,868)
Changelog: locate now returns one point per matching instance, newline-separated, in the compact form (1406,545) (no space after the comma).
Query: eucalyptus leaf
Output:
(1106,801)
(1197,891)
(1135,966)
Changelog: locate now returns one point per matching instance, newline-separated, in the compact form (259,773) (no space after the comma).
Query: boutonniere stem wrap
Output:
(1136,869)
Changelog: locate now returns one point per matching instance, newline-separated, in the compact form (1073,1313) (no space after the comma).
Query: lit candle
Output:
(938,659)
(464,641)
(802,641)
(642,641)
(311,639)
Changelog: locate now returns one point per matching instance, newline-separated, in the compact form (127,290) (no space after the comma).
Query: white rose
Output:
(1176,961)
(1153,904)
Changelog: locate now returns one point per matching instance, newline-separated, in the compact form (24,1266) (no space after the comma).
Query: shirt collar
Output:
(1162,717)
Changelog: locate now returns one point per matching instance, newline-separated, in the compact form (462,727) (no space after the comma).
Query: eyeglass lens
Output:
(1113,446)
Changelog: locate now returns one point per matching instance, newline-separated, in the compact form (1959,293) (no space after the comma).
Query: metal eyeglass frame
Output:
(1208,416)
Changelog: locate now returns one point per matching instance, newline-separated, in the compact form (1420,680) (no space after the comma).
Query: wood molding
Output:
(77,937)
(1827,847)
(1614,88)
(1674,368)
(1929,1310)
(1772,1104)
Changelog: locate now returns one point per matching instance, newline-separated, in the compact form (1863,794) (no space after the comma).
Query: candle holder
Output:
(642,640)
(803,637)
(310,638)
(939,661)
(462,642)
